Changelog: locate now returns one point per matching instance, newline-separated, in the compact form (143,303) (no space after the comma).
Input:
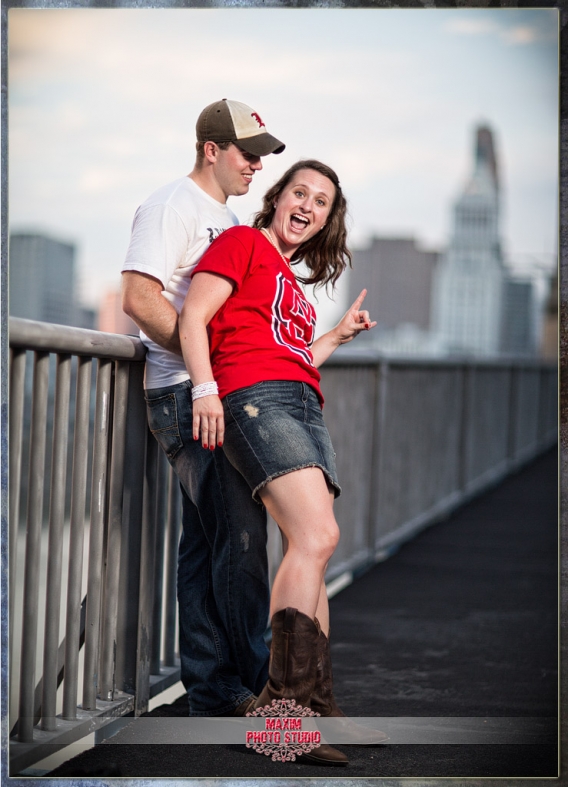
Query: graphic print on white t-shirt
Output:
(297,332)
(214,232)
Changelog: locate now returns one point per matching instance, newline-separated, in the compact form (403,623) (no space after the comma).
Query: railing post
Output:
(513,397)
(160,536)
(170,585)
(113,547)
(467,374)
(17,379)
(55,544)
(33,548)
(76,537)
(381,394)
(132,512)
(147,561)
(98,494)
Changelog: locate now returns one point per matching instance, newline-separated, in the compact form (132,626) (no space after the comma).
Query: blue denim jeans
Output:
(223,589)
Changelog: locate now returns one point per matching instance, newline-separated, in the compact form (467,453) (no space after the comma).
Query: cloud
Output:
(471,27)
(521,35)
(535,29)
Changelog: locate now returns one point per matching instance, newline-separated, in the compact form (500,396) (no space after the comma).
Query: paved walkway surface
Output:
(462,621)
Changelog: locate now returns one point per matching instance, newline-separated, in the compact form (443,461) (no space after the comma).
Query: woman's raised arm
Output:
(351,324)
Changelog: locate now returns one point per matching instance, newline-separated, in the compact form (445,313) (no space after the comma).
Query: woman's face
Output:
(302,209)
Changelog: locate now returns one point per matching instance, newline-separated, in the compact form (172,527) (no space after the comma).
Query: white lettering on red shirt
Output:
(297,333)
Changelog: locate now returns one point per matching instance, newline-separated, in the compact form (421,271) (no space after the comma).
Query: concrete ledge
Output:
(22,755)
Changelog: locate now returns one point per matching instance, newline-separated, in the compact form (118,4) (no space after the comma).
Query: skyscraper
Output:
(518,331)
(42,278)
(467,297)
(398,277)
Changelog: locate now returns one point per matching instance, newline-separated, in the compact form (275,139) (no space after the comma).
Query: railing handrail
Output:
(368,356)
(49,337)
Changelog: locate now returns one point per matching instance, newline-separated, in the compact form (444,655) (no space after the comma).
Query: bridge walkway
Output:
(461,622)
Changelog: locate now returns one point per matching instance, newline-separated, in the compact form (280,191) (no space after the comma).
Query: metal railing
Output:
(414,439)
(122,514)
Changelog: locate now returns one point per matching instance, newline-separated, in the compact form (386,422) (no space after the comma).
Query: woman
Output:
(246,331)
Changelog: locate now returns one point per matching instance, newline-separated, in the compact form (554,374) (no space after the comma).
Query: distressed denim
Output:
(223,589)
(275,427)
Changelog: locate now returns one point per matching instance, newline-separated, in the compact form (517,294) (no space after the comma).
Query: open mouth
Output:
(299,222)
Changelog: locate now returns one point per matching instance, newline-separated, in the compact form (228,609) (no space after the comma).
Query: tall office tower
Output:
(519,327)
(467,297)
(398,277)
(42,278)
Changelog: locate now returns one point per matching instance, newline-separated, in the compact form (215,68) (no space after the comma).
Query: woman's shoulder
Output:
(243,232)
(240,236)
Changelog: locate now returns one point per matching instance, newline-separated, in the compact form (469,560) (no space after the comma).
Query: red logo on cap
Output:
(258,119)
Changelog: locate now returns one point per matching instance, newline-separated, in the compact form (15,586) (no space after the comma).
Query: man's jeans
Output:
(223,589)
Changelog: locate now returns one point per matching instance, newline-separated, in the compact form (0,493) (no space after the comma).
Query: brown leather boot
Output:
(293,658)
(292,672)
(324,702)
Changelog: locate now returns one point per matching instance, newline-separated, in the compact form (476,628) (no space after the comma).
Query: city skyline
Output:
(99,121)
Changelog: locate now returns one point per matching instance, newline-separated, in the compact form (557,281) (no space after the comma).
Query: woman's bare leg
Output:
(322,609)
(301,504)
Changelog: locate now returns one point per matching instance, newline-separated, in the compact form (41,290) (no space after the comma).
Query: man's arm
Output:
(143,302)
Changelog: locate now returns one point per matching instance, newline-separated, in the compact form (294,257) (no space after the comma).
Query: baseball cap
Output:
(231,121)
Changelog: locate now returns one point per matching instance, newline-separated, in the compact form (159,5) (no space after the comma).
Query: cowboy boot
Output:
(324,702)
(292,672)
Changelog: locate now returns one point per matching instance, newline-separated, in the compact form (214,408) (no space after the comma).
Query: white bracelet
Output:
(205,389)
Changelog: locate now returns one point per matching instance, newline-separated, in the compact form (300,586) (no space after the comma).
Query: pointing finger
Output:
(359,300)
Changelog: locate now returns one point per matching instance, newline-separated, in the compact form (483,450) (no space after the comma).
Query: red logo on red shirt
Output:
(293,319)
(258,119)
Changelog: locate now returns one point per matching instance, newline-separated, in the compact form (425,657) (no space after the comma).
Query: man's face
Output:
(234,170)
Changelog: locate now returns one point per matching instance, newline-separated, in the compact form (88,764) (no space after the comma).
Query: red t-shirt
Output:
(264,330)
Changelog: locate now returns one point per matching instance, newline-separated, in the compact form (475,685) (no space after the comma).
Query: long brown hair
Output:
(325,254)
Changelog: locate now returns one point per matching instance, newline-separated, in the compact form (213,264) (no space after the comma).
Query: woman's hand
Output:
(207,293)
(353,321)
(208,421)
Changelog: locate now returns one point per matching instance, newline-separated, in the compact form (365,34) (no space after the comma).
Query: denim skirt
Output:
(275,427)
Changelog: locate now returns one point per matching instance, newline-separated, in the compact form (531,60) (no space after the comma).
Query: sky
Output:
(103,104)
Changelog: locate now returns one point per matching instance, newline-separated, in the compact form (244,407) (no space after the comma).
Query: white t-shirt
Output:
(171,231)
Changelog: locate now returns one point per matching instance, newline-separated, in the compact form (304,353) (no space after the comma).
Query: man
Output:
(223,590)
